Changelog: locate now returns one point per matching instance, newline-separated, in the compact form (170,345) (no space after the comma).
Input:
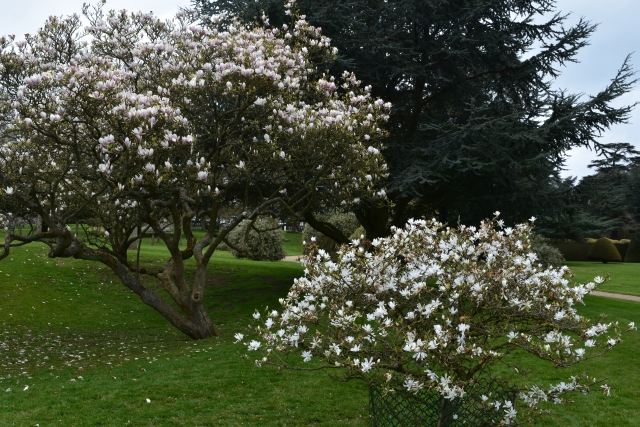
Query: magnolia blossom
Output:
(135,121)
(439,306)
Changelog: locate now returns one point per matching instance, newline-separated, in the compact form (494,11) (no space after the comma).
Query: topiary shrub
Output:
(343,221)
(548,256)
(574,251)
(633,251)
(622,248)
(263,245)
(604,250)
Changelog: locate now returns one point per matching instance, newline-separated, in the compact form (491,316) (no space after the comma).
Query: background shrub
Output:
(574,251)
(604,250)
(360,231)
(622,248)
(263,245)
(548,255)
(346,222)
(633,251)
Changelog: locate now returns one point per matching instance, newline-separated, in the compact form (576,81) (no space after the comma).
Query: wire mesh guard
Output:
(428,408)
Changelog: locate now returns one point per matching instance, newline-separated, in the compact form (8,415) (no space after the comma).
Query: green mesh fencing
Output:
(428,408)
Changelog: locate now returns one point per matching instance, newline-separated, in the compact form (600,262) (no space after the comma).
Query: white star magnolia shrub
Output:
(434,307)
(134,123)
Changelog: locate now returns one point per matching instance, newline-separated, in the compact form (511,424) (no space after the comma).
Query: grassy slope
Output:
(70,321)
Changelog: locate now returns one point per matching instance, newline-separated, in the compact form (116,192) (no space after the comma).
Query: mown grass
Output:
(92,353)
(625,277)
(292,243)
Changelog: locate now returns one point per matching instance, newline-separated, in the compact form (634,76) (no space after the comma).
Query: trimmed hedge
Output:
(622,248)
(604,250)
(633,251)
(575,251)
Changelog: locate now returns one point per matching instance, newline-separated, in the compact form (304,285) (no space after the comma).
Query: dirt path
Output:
(293,258)
(618,296)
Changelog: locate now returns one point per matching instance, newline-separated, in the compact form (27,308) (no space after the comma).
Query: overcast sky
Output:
(618,34)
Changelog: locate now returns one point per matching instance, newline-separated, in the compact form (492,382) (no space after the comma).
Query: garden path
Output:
(618,296)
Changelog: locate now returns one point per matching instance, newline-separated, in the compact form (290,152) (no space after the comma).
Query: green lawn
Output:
(92,353)
(625,277)
(65,319)
(292,243)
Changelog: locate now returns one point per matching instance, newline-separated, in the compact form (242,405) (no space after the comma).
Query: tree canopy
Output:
(477,124)
(133,124)
(611,192)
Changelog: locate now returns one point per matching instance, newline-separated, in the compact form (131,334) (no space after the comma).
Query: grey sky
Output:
(617,36)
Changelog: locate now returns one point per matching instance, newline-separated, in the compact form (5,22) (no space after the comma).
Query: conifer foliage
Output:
(477,124)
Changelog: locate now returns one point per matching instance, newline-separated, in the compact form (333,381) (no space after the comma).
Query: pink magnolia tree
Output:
(132,123)
(435,308)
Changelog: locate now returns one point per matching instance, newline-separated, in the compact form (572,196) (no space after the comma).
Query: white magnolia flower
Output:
(367,364)
(253,345)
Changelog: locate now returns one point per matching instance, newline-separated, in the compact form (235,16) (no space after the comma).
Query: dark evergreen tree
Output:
(608,193)
(477,125)
(633,196)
